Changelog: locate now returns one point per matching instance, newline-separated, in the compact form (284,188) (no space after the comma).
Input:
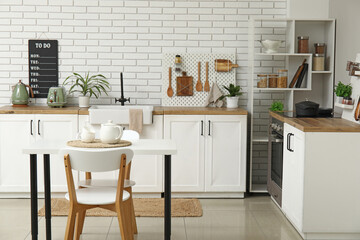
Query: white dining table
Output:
(164,147)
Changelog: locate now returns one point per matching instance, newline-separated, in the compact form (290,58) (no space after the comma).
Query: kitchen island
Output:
(320,186)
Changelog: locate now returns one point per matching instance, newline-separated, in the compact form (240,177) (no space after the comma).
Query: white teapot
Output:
(87,133)
(110,132)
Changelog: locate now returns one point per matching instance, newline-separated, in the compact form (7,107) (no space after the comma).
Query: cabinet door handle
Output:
(289,138)
(209,128)
(38,127)
(31,125)
(202,128)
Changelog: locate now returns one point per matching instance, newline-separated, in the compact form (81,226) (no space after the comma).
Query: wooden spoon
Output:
(170,91)
(207,84)
(198,83)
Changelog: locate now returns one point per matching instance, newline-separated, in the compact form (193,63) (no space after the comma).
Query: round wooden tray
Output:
(97,144)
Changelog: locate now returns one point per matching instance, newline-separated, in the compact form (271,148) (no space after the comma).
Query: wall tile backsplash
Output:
(110,36)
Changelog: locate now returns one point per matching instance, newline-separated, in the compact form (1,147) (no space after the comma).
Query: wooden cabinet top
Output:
(38,110)
(319,124)
(158,110)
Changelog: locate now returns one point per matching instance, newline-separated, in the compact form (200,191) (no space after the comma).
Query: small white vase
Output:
(84,101)
(232,102)
(338,99)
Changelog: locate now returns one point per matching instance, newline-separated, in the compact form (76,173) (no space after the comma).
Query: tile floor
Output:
(252,218)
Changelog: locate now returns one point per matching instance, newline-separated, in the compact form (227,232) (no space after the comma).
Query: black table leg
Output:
(34,203)
(47,195)
(167,210)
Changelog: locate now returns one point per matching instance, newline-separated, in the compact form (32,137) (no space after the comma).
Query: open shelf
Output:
(259,188)
(281,89)
(322,72)
(260,139)
(284,54)
(344,106)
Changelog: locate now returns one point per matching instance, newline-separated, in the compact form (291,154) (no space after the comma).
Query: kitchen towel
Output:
(136,120)
(214,95)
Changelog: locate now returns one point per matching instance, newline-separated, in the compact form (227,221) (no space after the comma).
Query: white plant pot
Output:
(84,101)
(338,99)
(232,102)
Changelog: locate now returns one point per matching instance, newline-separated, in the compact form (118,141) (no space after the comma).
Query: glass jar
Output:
(320,48)
(303,44)
(177,63)
(282,79)
(262,80)
(273,80)
(319,62)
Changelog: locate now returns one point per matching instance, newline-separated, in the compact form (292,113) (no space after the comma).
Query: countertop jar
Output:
(262,80)
(318,62)
(282,79)
(273,80)
(320,48)
(303,44)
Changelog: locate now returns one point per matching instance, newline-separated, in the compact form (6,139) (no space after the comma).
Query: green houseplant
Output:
(343,92)
(232,98)
(277,106)
(87,86)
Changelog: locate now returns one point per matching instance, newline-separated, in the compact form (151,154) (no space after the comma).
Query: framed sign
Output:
(43,66)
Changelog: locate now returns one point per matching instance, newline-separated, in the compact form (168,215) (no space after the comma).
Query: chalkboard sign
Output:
(43,66)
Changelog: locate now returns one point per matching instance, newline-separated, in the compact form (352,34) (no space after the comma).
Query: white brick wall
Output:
(110,36)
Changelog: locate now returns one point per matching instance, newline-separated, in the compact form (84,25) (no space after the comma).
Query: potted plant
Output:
(232,98)
(277,106)
(343,93)
(87,86)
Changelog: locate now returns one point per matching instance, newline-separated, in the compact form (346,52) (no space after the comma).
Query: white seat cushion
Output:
(104,183)
(97,196)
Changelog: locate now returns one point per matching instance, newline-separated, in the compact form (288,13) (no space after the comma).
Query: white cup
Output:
(86,136)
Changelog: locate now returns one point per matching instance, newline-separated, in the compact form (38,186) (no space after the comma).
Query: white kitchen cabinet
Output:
(187,165)
(293,174)
(18,131)
(146,170)
(321,193)
(211,152)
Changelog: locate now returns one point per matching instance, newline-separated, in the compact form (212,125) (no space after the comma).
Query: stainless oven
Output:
(275,158)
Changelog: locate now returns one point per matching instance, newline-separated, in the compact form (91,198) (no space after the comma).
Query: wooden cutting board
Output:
(184,85)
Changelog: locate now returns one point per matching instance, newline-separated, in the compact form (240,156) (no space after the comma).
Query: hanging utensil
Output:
(184,85)
(199,86)
(170,91)
(207,84)
(224,65)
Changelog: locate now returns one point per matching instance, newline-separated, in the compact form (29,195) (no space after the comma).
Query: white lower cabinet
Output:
(321,194)
(20,130)
(211,152)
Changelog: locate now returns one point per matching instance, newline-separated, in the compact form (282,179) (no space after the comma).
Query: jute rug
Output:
(144,207)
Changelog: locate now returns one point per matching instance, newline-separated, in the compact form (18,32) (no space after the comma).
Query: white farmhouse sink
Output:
(118,114)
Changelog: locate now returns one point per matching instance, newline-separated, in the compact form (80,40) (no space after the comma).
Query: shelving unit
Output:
(317,86)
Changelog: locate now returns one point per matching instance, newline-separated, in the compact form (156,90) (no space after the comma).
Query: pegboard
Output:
(190,66)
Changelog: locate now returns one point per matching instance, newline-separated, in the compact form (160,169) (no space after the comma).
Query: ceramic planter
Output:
(84,101)
(338,99)
(232,102)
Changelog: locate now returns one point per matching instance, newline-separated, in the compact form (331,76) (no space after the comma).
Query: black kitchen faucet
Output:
(122,99)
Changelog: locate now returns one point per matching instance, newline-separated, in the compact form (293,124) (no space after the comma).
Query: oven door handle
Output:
(277,140)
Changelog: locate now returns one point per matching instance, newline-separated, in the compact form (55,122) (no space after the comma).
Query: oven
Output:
(275,159)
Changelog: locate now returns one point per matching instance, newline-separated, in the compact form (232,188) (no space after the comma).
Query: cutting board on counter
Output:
(184,85)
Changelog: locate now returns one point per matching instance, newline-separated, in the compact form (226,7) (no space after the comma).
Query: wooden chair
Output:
(112,198)
(128,135)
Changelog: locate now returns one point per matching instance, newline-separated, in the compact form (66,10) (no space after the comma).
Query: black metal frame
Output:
(47,186)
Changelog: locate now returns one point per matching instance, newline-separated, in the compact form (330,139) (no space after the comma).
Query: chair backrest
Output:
(96,160)
(130,135)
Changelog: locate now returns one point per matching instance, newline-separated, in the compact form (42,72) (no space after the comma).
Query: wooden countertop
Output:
(319,124)
(36,109)
(158,110)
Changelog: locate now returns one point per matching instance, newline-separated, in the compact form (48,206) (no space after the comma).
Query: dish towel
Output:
(214,95)
(136,120)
